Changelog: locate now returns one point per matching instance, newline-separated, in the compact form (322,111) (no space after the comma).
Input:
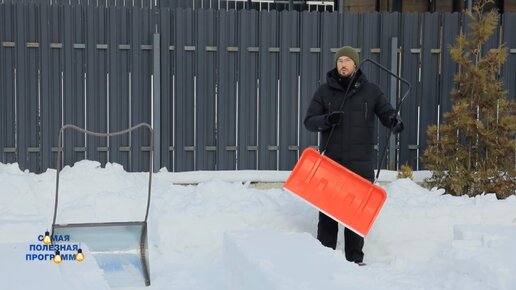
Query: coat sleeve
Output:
(315,119)
(384,110)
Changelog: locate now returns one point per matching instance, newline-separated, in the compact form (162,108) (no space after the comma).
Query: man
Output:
(350,119)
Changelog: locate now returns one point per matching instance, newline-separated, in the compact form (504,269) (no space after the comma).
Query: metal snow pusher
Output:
(120,248)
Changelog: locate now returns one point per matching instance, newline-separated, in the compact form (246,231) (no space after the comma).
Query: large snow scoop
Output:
(335,190)
(120,248)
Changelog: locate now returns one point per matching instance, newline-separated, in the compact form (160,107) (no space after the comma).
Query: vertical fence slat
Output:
(8,103)
(73,74)
(349,30)
(389,29)
(184,29)
(69,99)
(145,96)
(247,105)
(429,76)
(268,98)
(34,151)
(328,42)
(79,64)
(96,95)
(309,76)
(26,87)
(50,97)
(429,73)
(451,28)
(149,27)
(167,93)
(119,73)
(288,105)
(410,70)
(369,26)
(117,106)
(227,90)
(206,79)
(7,68)
(141,63)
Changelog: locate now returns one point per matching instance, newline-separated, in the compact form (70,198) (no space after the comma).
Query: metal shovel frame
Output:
(398,105)
(105,225)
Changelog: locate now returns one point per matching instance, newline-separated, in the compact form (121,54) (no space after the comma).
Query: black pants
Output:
(327,231)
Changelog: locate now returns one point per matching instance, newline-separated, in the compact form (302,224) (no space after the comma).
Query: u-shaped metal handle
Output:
(112,134)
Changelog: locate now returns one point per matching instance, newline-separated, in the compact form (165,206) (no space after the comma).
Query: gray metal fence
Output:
(261,5)
(223,89)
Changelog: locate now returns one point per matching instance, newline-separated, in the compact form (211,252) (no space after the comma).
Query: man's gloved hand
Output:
(333,118)
(396,123)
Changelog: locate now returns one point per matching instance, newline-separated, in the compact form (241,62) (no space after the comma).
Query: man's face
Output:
(345,66)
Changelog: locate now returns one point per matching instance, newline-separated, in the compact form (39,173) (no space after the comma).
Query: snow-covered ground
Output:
(227,233)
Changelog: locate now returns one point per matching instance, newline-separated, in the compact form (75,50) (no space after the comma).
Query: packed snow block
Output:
(277,260)
(486,252)
(485,234)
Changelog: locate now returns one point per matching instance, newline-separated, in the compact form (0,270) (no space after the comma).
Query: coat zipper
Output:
(365,110)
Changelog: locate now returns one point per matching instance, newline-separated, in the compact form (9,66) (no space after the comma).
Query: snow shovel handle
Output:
(398,107)
(111,134)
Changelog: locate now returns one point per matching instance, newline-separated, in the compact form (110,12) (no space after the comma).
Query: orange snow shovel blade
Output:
(337,191)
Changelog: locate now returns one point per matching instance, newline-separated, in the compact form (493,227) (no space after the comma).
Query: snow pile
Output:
(224,232)
(278,260)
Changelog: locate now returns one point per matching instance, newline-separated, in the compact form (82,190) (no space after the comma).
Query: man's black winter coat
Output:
(352,143)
